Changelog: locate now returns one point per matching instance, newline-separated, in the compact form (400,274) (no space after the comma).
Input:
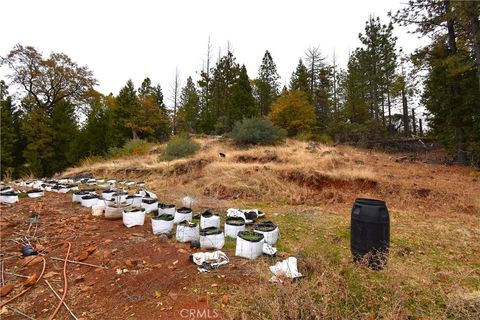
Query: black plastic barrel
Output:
(370,232)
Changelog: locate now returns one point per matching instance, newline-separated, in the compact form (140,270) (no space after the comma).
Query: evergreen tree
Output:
(189,111)
(300,79)
(7,131)
(98,134)
(267,84)
(151,100)
(450,73)
(224,76)
(65,130)
(39,150)
(127,104)
(242,103)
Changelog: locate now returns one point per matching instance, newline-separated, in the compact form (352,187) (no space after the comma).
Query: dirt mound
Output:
(319,181)
(264,158)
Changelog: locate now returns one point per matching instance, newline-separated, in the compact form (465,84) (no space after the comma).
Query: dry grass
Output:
(434,266)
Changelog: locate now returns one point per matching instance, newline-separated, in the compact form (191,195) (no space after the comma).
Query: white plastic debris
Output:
(98,209)
(187,201)
(249,215)
(209,260)
(286,268)
(268,249)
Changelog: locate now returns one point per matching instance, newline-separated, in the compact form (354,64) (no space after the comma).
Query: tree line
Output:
(60,118)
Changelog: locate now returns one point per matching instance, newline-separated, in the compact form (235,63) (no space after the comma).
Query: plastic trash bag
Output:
(209,260)
(286,268)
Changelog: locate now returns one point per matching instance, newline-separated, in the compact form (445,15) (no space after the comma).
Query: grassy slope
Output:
(434,269)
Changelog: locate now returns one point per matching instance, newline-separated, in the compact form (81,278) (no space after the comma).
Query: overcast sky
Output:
(121,40)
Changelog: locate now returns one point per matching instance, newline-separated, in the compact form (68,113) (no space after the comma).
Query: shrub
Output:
(179,147)
(90,160)
(293,112)
(257,131)
(132,147)
(308,136)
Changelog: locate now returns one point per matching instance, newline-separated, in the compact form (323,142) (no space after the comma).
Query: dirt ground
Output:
(156,279)
(142,276)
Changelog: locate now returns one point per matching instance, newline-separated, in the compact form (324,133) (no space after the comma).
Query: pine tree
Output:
(39,149)
(224,76)
(127,104)
(7,131)
(267,84)
(449,59)
(189,110)
(65,131)
(151,101)
(300,79)
(242,103)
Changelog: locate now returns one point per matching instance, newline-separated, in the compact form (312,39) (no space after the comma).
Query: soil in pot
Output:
(251,236)
(163,217)
(265,226)
(235,221)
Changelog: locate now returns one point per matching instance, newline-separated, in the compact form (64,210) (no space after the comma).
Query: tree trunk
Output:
(414,123)
(134,134)
(383,111)
(389,103)
(460,151)
(420,127)
(406,125)
(452,43)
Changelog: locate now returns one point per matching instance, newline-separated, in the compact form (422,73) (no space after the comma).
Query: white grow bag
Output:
(35,193)
(187,232)
(6,190)
(183,214)
(247,248)
(167,209)
(98,209)
(89,201)
(149,205)
(232,228)
(119,198)
(271,236)
(77,197)
(108,195)
(134,217)
(9,197)
(162,226)
(134,201)
(209,220)
(114,213)
(212,238)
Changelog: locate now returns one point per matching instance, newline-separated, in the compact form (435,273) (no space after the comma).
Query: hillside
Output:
(434,270)
(307,189)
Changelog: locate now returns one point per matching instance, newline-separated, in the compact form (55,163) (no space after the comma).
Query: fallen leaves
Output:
(30,281)
(6,289)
